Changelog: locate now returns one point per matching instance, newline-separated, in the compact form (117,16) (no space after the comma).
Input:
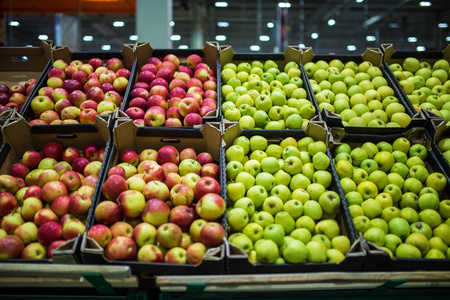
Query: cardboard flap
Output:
(388,50)
(226,55)
(143,50)
(25,59)
(440,127)
(64,253)
(373,55)
(307,55)
(89,245)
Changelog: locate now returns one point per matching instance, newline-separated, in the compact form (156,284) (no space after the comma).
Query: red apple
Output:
(210,170)
(71,180)
(10,247)
(107,87)
(139,92)
(206,185)
(156,189)
(212,234)
(86,68)
(138,102)
(90,152)
(88,116)
(135,113)
(53,150)
(156,100)
(181,194)
(121,228)
(183,216)
(90,180)
(156,212)
(79,164)
(49,232)
(95,93)
(193,60)
(187,153)
(71,85)
(192,119)
(60,206)
(52,190)
(101,234)
(8,203)
(170,167)
(95,62)
(188,105)
(204,158)
(210,207)
(169,235)
(159,90)
(69,70)
(121,248)
(129,156)
(88,104)
(32,191)
(114,64)
(53,246)
(172,179)
(195,253)
(19,170)
(159,81)
(113,186)
(107,213)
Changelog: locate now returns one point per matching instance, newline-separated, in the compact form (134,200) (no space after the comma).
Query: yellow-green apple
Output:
(189,166)
(34,251)
(156,212)
(150,253)
(143,234)
(181,194)
(79,204)
(27,232)
(131,202)
(10,247)
(375,235)
(30,206)
(175,255)
(317,252)
(155,189)
(169,235)
(210,207)
(330,202)
(61,205)
(72,229)
(121,228)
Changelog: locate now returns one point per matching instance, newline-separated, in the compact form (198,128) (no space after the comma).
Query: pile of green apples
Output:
(281,208)
(358,93)
(260,96)
(426,87)
(395,200)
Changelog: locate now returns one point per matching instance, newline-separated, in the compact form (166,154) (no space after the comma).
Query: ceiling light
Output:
(222,24)
(118,23)
(133,37)
(331,22)
(171,23)
(28,45)
(425,3)
(351,48)
(412,39)
(264,38)
(24,57)
(442,25)
(183,47)
(13,23)
(254,48)
(270,25)
(221,4)
(393,25)
(106,47)
(447,39)
(420,48)
(371,38)
(314,35)
(43,37)
(301,45)
(175,37)
(88,38)
(359,1)
(221,37)
(284,4)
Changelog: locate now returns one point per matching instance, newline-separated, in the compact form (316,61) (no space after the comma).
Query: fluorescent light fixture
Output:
(331,22)
(393,25)
(221,37)
(221,4)
(88,38)
(28,45)
(359,1)
(171,23)
(264,38)
(412,39)
(222,24)
(106,47)
(284,4)
(301,45)
(43,37)
(371,38)
(183,47)
(133,37)
(442,25)
(351,48)
(175,37)
(420,48)
(119,23)
(13,23)
(254,48)
(24,57)
(270,25)
(447,39)
(425,3)
(314,35)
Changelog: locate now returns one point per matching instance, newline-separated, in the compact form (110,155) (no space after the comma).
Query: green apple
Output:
(282,192)
(272,205)
(418,150)
(295,251)
(407,251)
(313,209)
(252,166)
(306,222)
(399,227)
(247,204)
(233,168)
(330,202)
(294,207)
(356,211)
(443,231)
(358,155)
(437,181)
(409,214)
(348,185)
(389,213)
(330,228)
(315,190)
(301,195)
(367,189)
(394,191)
(258,194)
(281,177)
(284,219)
(422,228)
(235,153)
(369,165)
(372,208)
(235,190)
(359,175)
(438,243)
(246,179)
(274,232)
(391,242)
(237,218)
(267,251)
(301,234)
(253,231)
(385,160)
(243,242)
(317,252)
(353,198)
(435,254)
(384,199)
(412,185)
(263,218)
(380,178)
(322,177)
(375,235)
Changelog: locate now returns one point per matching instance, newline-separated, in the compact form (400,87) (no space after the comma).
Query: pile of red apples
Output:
(16,95)
(77,92)
(45,199)
(168,93)
(160,206)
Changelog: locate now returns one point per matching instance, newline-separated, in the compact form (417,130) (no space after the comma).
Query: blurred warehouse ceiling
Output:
(329,26)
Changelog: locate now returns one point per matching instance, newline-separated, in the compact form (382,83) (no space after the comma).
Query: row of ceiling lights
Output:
(262,38)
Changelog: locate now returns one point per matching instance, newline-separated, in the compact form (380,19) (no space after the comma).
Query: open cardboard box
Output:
(439,131)
(64,53)
(237,261)
(374,56)
(22,63)
(291,54)
(391,56)
(126,135)
(209,54)
(378,259)
(18,138)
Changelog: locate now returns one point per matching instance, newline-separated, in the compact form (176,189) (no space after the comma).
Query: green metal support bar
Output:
(99,283)
(387,286)
(195,288)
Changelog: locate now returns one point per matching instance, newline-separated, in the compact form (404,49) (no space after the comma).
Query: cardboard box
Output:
(291,54)
(22,63)
(237,261)
(64,53)
(392,56)
(374,56)
(377,259)
(129,136)
(438,131)
(209,54)
(18,139)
